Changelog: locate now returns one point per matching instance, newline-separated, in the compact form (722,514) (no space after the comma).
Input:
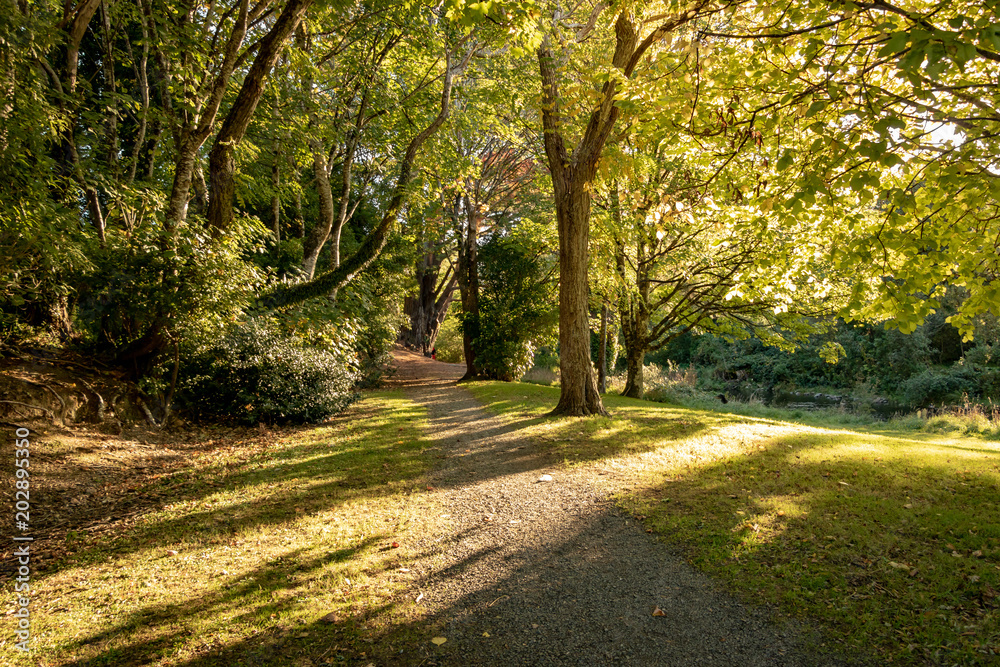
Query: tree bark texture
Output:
(193,135)
(602,352)
(429,308)
(276,196)
(222,166)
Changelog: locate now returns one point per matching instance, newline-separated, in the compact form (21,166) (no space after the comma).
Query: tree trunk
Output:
(578,387)
(275,196)
(313,242)
(429,308)
(634,381)
(373,244)
(602,352)
(192,137)
(572,173)
(634,315)
(222,166)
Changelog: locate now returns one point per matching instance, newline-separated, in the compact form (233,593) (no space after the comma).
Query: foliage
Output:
(254,374)
(515,308)
(185,284)
(449,340)
(936,386)
(358,328)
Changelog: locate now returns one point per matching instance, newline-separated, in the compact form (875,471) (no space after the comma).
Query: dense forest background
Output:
(239,208)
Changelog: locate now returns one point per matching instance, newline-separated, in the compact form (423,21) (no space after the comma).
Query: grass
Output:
(888,537)
(278,549)
(264,551)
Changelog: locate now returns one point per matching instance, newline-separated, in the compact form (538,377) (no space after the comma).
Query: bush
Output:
(253,374)
(515,307)
(939,386)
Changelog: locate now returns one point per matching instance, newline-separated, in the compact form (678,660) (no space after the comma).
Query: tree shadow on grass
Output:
(341,462)
(894,544)
(261,593)
(561,600)
(510,436)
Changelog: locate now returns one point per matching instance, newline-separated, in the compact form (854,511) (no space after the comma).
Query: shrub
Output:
(252,374)
(515,307)
(939,386)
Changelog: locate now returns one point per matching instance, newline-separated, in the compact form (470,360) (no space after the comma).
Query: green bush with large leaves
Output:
(256,374)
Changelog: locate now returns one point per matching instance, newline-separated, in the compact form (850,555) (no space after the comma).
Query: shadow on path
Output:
(552,573)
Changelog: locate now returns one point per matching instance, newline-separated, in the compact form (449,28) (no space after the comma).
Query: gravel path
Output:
(551,573)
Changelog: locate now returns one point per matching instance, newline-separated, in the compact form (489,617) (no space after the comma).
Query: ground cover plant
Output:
(270,548)
(889,537)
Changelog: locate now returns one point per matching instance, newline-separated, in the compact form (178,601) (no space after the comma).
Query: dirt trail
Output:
(551,573)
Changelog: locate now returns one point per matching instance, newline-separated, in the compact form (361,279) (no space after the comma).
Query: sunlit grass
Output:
(261,552)
(887,536)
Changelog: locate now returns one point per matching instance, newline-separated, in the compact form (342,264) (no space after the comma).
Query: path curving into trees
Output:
(529,572)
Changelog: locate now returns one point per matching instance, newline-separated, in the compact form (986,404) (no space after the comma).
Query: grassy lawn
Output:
(262,551)
(890,538)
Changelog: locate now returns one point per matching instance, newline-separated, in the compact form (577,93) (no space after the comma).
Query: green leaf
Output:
(891,160)
(785,161)
(816,107)
(897,42)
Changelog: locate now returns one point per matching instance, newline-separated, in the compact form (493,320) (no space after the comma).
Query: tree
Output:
(573,168)
(886,108)
(436,277)
(682,266)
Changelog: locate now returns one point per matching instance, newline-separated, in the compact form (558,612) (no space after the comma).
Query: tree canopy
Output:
(170,169)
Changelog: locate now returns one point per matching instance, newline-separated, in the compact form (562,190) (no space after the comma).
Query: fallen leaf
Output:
(486,634)
(659,612)
(395,545)
(977,553)
(330,618)
(545,478)
(843,483)
(534,625)
(404,569)
(781,512)
(899,566)
(171,552)
(908,506)
(439,640)
(419,598)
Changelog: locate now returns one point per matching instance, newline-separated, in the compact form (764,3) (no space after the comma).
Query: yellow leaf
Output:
(439,640)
